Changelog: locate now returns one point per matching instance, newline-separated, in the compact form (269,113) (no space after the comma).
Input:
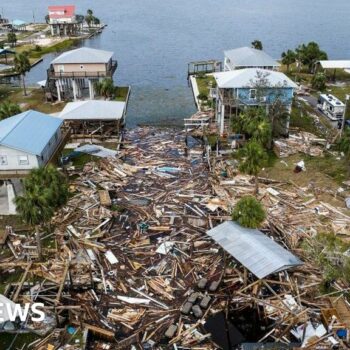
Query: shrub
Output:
(249,212)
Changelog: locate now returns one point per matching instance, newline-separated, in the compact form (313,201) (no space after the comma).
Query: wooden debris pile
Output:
(134,265)
(302,142)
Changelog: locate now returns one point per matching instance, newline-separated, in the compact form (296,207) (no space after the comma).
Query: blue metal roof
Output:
(29,131)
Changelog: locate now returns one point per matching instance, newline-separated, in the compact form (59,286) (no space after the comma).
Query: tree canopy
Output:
(22,66)
(45,189)
(254,159)
(319,81)
(249,212)
(8,109)
(105,88)
(12,38)
(257,44)
(255,124)
(309,54)
(288,58)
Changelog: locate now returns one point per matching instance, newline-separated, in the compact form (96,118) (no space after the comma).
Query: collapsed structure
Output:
(132,259)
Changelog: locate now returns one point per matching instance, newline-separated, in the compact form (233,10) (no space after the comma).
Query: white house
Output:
(28,140)
(247,57)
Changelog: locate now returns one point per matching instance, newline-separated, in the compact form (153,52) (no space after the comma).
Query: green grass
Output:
(300,118)
(204,82)
(34,100)
(336,169)
(59,47)
(121,93)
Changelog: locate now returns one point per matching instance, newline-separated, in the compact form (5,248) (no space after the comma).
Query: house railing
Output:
(84,74)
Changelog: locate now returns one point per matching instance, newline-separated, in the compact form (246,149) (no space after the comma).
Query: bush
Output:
(249,212)
(319,81)
(37,48)
(202,97)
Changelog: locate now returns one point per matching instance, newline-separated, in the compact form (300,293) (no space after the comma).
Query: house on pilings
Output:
(63,21)
(72,75)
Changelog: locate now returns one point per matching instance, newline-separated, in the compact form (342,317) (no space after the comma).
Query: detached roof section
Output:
(247,77)
(93,110)
(83,55)
(249,57)
(254,250)
(29,131)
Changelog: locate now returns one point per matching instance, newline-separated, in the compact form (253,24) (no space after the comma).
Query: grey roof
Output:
(83,55)
(247,77)
(93,110)
(254,250)
(333,64)
(249,57)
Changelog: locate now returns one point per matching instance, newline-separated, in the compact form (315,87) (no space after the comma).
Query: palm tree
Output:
(45,190)
(255,123)
(50,179)
(22,66)
(89,18)
(34,210)
(249,212)
(105,87)
(288,58)
(257,44)
(254,159)
(12,38)
(8,109)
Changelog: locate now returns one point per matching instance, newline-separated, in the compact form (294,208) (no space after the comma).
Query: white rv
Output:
(332,107)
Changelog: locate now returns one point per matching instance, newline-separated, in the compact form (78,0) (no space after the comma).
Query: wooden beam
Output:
(18,290)
(60,290)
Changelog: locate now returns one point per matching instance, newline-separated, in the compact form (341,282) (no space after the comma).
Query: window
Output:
(23,160)
(81,67)
(3,160)
(252,94)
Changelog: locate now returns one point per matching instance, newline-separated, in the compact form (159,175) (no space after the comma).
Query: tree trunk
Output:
(256,185)
(24,86)
(38,242)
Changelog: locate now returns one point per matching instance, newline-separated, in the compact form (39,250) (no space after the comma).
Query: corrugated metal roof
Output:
(249,57)
(254,250)
(93,110)
(83,55)
(29,131)
(330,64)
(248,77)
